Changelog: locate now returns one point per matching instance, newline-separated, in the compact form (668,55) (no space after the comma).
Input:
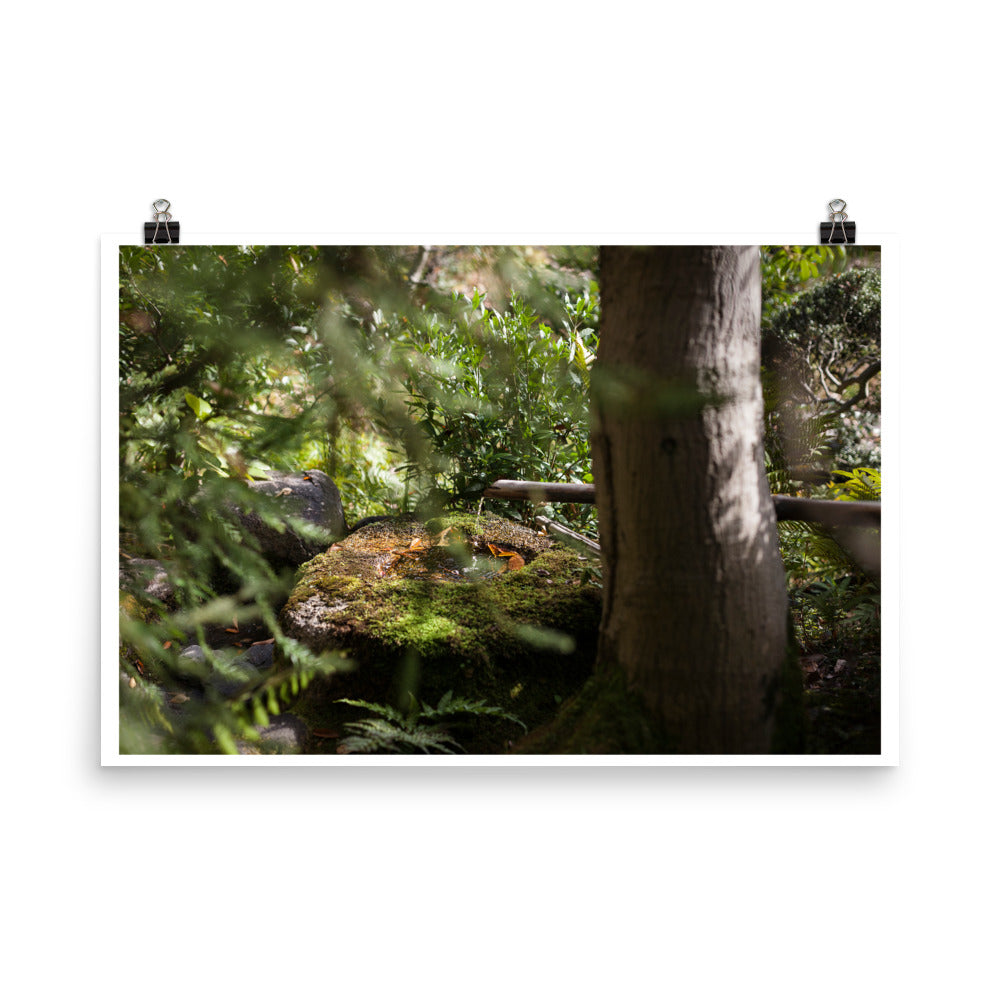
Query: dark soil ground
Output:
(841,664)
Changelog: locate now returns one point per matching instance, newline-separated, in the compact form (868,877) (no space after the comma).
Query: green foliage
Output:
(858,484)
(422,728)
(410,375)
(822,362)
(211,393)
(835,605)
(842,613)
(498,395)
(787,270)
(236,360)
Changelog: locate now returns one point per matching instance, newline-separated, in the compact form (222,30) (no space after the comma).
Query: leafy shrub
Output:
(822,361)
(498,395)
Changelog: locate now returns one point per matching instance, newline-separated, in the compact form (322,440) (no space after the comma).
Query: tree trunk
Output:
(695,612)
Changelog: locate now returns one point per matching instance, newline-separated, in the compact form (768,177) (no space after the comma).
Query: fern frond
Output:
(386,712)
(861,484)
(381,736)
(450,705)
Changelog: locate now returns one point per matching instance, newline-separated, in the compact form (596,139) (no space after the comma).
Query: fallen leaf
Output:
(326,734)
(167,644)
(515,559)
(131,682)
(263,642)
(284,493)
(179,699)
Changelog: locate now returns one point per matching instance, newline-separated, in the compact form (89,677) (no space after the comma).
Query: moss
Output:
(606,717)
(395,597)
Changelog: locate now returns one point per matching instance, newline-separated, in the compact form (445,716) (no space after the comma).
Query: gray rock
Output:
(150,574)
(193,652)
(233,669)
(284,734)
(309,496)
(259,655)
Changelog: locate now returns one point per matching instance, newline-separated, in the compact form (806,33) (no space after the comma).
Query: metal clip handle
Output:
(163,215)
(837,214)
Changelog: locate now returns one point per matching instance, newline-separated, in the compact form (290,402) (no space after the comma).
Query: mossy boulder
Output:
(476,605)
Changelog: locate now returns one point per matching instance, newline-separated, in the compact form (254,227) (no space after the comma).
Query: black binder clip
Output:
(838,217)
(161,229)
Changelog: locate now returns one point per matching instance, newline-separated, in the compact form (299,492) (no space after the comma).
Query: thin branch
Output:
(861,380)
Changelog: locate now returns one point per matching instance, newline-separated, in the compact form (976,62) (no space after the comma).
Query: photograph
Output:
(529,502)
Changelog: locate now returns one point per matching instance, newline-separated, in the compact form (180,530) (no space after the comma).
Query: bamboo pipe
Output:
(835,513)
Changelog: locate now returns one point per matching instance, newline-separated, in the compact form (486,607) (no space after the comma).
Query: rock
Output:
(235,668)
(260,655)
(151,574)
(479,606)
(309,496)
(285,734)
(193,652)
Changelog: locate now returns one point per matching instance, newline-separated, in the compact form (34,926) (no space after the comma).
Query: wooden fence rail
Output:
(832,513)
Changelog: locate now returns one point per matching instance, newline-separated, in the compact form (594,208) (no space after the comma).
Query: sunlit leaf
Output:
(201,409)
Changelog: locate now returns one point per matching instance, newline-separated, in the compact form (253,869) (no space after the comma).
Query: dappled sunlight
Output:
(290,409)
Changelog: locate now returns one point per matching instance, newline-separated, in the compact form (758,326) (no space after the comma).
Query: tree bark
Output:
(695,607)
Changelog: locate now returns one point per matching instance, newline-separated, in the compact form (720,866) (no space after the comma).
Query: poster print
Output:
(499,503)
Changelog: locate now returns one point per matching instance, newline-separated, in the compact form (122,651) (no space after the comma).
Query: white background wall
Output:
(517,117)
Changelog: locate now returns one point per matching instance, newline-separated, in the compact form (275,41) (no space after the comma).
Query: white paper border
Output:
(110,244)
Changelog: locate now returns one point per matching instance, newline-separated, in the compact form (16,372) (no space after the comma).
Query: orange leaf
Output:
(326,734)
(516,562)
